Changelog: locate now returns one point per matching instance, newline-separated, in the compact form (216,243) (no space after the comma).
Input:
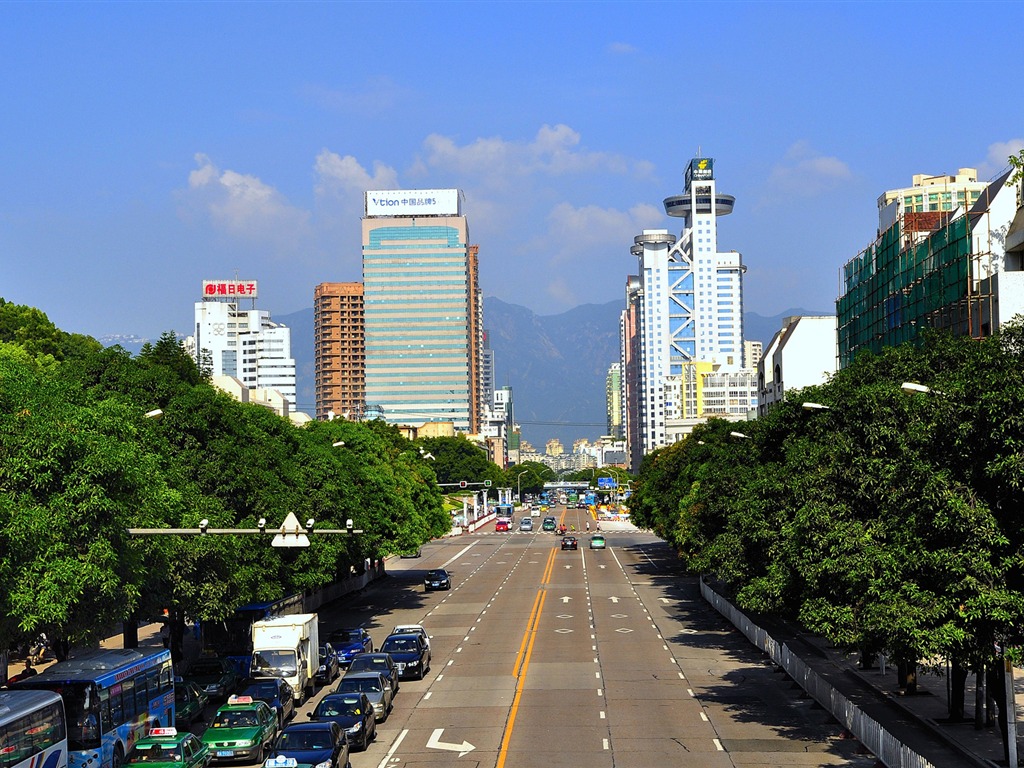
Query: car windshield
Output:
(348,706)
(154,753)
(400,644)
(359,685)
(274,663)
(305,739)
(206,668)
(350,635)
(262,691)
(361,662)
(246,719)
(436,574)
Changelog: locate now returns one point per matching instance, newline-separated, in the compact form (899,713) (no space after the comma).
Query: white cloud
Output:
(244,206)
(580,232)
(621,48)
(554,151)
(805,172)
(997,160)
(344,176)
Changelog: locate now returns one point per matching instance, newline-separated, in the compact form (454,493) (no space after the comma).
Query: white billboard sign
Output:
(413,202)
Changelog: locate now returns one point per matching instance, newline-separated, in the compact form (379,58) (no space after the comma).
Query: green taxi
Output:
(167,747)
(243,730)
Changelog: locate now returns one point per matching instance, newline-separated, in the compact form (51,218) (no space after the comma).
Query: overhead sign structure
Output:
(413,202)
(291,533)
(607,482)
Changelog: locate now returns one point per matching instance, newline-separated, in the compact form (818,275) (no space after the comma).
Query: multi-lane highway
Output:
(544,657)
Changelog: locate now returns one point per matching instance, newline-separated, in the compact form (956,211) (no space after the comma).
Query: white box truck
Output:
(287,647)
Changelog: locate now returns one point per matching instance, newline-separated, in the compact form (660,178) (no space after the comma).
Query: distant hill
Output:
(555,364)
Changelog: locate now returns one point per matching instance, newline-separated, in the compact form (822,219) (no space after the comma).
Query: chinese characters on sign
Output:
(227,289)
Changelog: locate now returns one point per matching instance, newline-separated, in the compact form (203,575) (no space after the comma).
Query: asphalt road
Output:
(589,659)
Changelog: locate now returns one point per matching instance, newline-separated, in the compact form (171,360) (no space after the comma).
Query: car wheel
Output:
(118,756)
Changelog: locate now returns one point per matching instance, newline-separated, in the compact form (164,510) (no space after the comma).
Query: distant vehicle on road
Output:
(570,542)
(597,542)
(526,524)
(438,578)
(314,744)
(33,731)
(277,694)
(377,662)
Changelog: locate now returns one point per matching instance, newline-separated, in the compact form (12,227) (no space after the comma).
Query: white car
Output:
(414,629)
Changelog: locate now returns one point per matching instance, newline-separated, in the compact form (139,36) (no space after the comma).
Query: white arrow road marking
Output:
(601,566)
(434,742)
(664,600)
(565,599)
(568,567)
(614,599)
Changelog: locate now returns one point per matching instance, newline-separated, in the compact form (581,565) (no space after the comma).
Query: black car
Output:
(216,677)
(317,744)
(410,653)
(278,695)
(329,668)
(353,712)
(376,662)
(438,578)
(570,542)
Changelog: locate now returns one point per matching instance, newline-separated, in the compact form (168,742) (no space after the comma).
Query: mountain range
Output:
(555,364)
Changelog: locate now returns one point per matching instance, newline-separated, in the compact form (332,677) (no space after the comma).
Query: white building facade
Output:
(241,342)
(804,353)
(691,313)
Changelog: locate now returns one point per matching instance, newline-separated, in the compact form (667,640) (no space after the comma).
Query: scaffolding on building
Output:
(922,272)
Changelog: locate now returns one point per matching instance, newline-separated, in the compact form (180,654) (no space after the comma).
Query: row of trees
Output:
(888,522)
(80,464)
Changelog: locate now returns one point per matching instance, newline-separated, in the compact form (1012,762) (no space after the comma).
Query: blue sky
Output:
(145,147)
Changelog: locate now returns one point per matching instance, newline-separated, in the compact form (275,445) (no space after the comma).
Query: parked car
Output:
(411,654)
(438,578)
(329,668)
(376,662)
(215,676)
(376,687)
(277,694)
(315,744)
(189,703)
(352,711)
(350,642)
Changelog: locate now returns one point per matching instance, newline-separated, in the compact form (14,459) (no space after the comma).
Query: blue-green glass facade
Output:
(416,308)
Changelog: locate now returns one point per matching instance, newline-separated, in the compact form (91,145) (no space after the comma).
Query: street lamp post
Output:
(519,487)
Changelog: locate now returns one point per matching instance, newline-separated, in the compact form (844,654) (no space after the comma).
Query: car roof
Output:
(358,675)
(310,726)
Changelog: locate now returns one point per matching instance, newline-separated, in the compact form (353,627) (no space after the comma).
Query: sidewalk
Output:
(918,720)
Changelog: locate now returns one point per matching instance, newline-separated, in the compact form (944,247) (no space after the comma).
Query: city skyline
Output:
(148,147)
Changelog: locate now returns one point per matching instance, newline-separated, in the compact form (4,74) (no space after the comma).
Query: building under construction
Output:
(942,259)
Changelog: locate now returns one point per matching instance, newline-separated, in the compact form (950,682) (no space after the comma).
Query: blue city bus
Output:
(111,699)
(232,637)
(33,732)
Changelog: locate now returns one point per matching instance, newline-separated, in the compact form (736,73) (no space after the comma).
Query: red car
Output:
(501,525)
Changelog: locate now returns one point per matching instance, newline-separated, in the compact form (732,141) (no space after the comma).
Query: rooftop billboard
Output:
(229,289)
(413,202)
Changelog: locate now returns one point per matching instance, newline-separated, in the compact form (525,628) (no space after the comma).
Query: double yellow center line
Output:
(523,657)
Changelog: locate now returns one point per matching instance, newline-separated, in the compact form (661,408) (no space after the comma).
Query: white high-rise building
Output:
(691,310)
(241,342)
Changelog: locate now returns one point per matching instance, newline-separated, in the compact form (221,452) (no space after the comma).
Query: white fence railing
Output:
(884,745)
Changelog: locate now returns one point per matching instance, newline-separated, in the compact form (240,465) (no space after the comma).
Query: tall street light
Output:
(519,487)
